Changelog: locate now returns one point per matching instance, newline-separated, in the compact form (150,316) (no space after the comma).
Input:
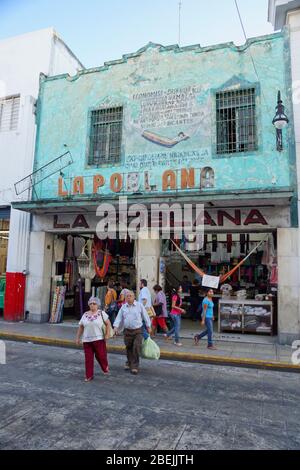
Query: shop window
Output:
(9,113)
(236,121)
(207,178)
(105,136)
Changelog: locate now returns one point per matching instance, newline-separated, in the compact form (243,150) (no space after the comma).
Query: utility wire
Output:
(244,31)
(252,58)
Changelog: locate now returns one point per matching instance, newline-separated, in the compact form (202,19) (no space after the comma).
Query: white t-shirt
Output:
(92,324)
(145,294)
(226,290)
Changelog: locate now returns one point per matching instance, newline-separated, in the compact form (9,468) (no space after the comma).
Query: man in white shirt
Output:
(130,318)
(145,296)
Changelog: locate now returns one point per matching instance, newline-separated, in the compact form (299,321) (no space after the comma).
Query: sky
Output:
(101,30)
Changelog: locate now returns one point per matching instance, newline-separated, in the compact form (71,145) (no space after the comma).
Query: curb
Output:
(168,355)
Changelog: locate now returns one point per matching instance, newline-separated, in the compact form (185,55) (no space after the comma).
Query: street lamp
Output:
(280,121)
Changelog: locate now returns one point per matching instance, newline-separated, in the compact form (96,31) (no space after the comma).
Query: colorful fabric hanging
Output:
(100,257)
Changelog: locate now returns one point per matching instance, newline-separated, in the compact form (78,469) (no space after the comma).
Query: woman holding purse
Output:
(92,326)
(160,308)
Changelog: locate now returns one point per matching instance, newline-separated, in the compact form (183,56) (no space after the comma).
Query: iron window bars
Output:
(106,136)
(9,113)
(236,121)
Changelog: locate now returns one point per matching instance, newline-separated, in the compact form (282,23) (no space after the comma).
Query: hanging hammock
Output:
(225,276)
(106,260)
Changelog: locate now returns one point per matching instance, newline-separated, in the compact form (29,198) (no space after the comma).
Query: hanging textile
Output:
(59,250)
(100,257)
(79,243)
(57,304)
(70,252)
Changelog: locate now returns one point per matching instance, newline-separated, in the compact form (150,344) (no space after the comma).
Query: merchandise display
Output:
(57,304)
(246,316)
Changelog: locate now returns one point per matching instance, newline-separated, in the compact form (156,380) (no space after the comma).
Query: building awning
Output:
(219,199)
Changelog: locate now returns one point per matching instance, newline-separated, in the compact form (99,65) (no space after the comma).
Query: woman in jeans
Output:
(207,320)
(175,314)
(94,345)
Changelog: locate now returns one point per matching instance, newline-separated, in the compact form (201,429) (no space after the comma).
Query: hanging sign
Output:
(211,281)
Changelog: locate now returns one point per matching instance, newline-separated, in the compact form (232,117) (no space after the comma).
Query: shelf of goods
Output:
(246,316)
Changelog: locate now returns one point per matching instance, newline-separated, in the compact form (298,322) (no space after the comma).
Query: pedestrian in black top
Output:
(195,300)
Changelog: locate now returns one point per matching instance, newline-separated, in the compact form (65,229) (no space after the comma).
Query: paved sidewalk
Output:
(251,354)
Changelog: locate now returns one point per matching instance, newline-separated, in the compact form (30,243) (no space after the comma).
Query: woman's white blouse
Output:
(93,324)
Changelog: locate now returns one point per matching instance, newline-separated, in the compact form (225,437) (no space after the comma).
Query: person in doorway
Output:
(94,342)
(207,320)
(145,298)
(186,284)
(111,306)
(175,314)
(160,307)
(130,318)
(195,300)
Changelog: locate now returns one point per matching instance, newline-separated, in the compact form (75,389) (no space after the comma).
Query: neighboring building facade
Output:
(286,14)
(22,59)
(168,124)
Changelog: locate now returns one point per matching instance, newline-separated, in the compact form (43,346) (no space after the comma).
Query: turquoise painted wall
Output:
(168,90)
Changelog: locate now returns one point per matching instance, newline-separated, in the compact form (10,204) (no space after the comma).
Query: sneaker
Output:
(178,344)
(212,348)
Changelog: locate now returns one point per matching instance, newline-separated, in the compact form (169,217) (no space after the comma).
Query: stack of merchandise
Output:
(241,294)
(251,323)
(258,311)
(58,304)
(232,324)
(263,328)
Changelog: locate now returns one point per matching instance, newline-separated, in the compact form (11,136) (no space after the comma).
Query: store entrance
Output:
(247,302)
(82,266)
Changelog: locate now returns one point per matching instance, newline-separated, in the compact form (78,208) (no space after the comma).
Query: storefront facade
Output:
(163,126)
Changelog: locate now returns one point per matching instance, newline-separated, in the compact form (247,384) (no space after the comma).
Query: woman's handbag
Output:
(151,312)
(104,328)
(158,310)
(150,350)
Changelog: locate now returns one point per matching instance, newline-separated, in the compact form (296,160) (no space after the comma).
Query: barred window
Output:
(106,136)
(9,113)
(236,121)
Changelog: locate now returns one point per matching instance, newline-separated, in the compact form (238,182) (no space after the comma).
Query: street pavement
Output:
(44,404)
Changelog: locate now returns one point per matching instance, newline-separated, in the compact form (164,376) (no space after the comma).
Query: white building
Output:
(286,13)
(22,59)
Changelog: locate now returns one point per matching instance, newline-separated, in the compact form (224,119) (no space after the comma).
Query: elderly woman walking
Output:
(94,345)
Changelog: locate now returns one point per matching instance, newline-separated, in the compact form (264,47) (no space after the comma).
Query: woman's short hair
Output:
(157,288)
(94,300)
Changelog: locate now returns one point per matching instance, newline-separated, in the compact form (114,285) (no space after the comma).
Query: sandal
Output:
(167,338)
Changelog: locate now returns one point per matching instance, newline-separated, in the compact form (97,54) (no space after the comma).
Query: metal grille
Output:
(106,136)
(9,113)
(55,166)
(236,121)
